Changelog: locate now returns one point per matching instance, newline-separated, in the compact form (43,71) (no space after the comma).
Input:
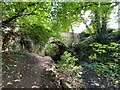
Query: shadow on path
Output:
(30,73)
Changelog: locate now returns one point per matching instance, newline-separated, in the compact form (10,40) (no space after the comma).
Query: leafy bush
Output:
(51,49)
(68,72)
(105,52)
(67,65)
(67,61)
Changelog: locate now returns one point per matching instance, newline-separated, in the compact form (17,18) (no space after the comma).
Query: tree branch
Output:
(6,22)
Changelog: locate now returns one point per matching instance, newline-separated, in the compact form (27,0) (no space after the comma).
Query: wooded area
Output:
(41,50)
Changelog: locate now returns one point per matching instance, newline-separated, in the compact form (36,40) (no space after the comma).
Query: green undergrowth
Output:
(68,72)
(105,52)
(16,56)
(109,70)
(72,73)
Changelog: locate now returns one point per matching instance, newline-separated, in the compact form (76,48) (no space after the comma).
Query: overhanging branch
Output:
(6,22)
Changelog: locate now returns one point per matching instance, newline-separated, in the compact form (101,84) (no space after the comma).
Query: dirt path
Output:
(33,71)
(28,74)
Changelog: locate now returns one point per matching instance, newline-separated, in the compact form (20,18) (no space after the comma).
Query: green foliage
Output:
(68,72)
(109,70)
(29,17)
(16,56)
(41,20)
(105,52)
(67,62)
(100,68)
(51,49)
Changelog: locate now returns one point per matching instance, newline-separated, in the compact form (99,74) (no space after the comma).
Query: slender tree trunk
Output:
(73,37)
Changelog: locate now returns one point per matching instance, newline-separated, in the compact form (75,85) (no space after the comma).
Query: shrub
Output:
(105,52)
(67,61)
(51,49)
